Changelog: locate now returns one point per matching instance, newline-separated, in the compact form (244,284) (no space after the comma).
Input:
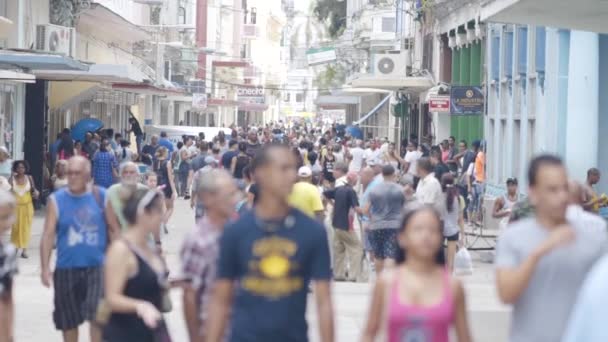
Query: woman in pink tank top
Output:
(418,301)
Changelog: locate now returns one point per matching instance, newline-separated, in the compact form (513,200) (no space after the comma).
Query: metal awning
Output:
(584,15)
(374,110)
(146,89)
(336,100)
(415,84)
(15,76)
(103,73)
(31,61)
(101,18)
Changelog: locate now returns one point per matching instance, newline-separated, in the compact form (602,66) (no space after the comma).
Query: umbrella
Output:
(83,126)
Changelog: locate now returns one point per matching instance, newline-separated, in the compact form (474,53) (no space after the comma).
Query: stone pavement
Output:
(487,317)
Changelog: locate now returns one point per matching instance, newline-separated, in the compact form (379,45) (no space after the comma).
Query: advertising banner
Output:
(466,100)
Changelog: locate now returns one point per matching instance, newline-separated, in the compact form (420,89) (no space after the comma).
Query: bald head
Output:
(79,163)
(79,174)
(367,174)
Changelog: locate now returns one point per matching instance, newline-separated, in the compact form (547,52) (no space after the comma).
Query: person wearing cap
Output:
(346,244)
(504,204)
(305,196)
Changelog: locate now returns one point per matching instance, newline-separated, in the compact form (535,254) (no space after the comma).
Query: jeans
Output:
(139,139)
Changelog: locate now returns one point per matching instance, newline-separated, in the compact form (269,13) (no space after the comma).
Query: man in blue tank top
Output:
(75,221)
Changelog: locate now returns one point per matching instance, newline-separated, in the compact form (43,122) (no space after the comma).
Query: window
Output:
(508,54)
(522,50)
(181,16)
(495,56)
(541,40)
(388,24)
(287,97)
(299,97)
(254,15)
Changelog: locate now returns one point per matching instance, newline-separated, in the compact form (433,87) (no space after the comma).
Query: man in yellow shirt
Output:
(305,196)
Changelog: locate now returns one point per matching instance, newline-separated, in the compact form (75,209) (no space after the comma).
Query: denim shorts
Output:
(384,243)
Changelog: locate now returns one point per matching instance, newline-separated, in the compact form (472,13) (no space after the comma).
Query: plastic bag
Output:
(463,264)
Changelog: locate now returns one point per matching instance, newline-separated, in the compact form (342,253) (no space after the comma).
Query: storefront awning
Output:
(146,89)
(15,76)
(336,100)
(101,18)
(103,73)
(415,84)
(584,15)
(36,61)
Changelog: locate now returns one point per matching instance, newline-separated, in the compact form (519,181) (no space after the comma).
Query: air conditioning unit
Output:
(56,39)
(392,64)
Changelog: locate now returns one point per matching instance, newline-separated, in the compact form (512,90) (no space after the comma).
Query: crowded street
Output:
(303,170)
(489,318)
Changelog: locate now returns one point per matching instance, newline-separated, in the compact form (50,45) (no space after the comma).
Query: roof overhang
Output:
(6,26)
(15,76)
(413,84)
(100,18)
(103,73)
(10,59)
(584,15)
(324,100)
(145,89)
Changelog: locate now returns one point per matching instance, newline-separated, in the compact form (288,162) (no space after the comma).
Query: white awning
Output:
(15,76)
(336,100)
(584,15)
(415,84)
(102,73)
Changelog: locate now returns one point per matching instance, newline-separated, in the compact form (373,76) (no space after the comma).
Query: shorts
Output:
(384,243)
(77,295)
(453,237)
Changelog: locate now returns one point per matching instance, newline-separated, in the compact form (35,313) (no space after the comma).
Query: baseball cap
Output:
(304,172)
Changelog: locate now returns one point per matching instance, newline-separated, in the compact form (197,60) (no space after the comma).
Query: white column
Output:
(583,104)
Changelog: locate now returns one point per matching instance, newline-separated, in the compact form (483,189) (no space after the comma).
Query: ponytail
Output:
(450,190)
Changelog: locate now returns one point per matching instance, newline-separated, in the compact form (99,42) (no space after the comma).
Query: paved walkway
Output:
(487,317)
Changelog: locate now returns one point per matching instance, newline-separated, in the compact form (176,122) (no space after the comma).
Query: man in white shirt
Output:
(411,159)
(429,190)
(357,156)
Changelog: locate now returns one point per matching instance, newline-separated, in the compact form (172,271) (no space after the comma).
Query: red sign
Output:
(439,104)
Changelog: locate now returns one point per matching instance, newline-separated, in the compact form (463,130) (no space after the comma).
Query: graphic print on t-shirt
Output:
(271,271)
(84,229)
(416,331)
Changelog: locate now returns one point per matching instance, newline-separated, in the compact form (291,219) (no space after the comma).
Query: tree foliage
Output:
(332,12)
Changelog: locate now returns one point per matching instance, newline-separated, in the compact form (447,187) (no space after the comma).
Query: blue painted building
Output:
(547,91)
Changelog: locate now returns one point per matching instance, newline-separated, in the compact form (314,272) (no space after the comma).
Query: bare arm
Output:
(46,243)
(324,310)
(511,282)
(113,224)
(233,165)
(497,212)
(190,313)
(171,177)
(220,306)
(374,318)
(6,318)
(461,321)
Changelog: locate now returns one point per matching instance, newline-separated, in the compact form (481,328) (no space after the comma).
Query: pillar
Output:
(456,66)
(583,104)
(475,65)
(465,66)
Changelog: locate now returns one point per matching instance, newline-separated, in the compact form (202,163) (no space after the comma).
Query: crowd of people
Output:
(281,213)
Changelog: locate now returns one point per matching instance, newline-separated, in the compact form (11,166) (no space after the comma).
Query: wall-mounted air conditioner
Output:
(392,64)
(56,39)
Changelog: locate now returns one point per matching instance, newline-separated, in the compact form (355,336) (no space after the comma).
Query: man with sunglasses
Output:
(75,222)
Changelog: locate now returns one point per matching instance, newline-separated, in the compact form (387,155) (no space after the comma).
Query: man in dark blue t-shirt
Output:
(267,259)
(228,155)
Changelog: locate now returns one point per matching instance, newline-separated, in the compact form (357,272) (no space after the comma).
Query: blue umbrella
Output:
(83,126)
(355,132)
